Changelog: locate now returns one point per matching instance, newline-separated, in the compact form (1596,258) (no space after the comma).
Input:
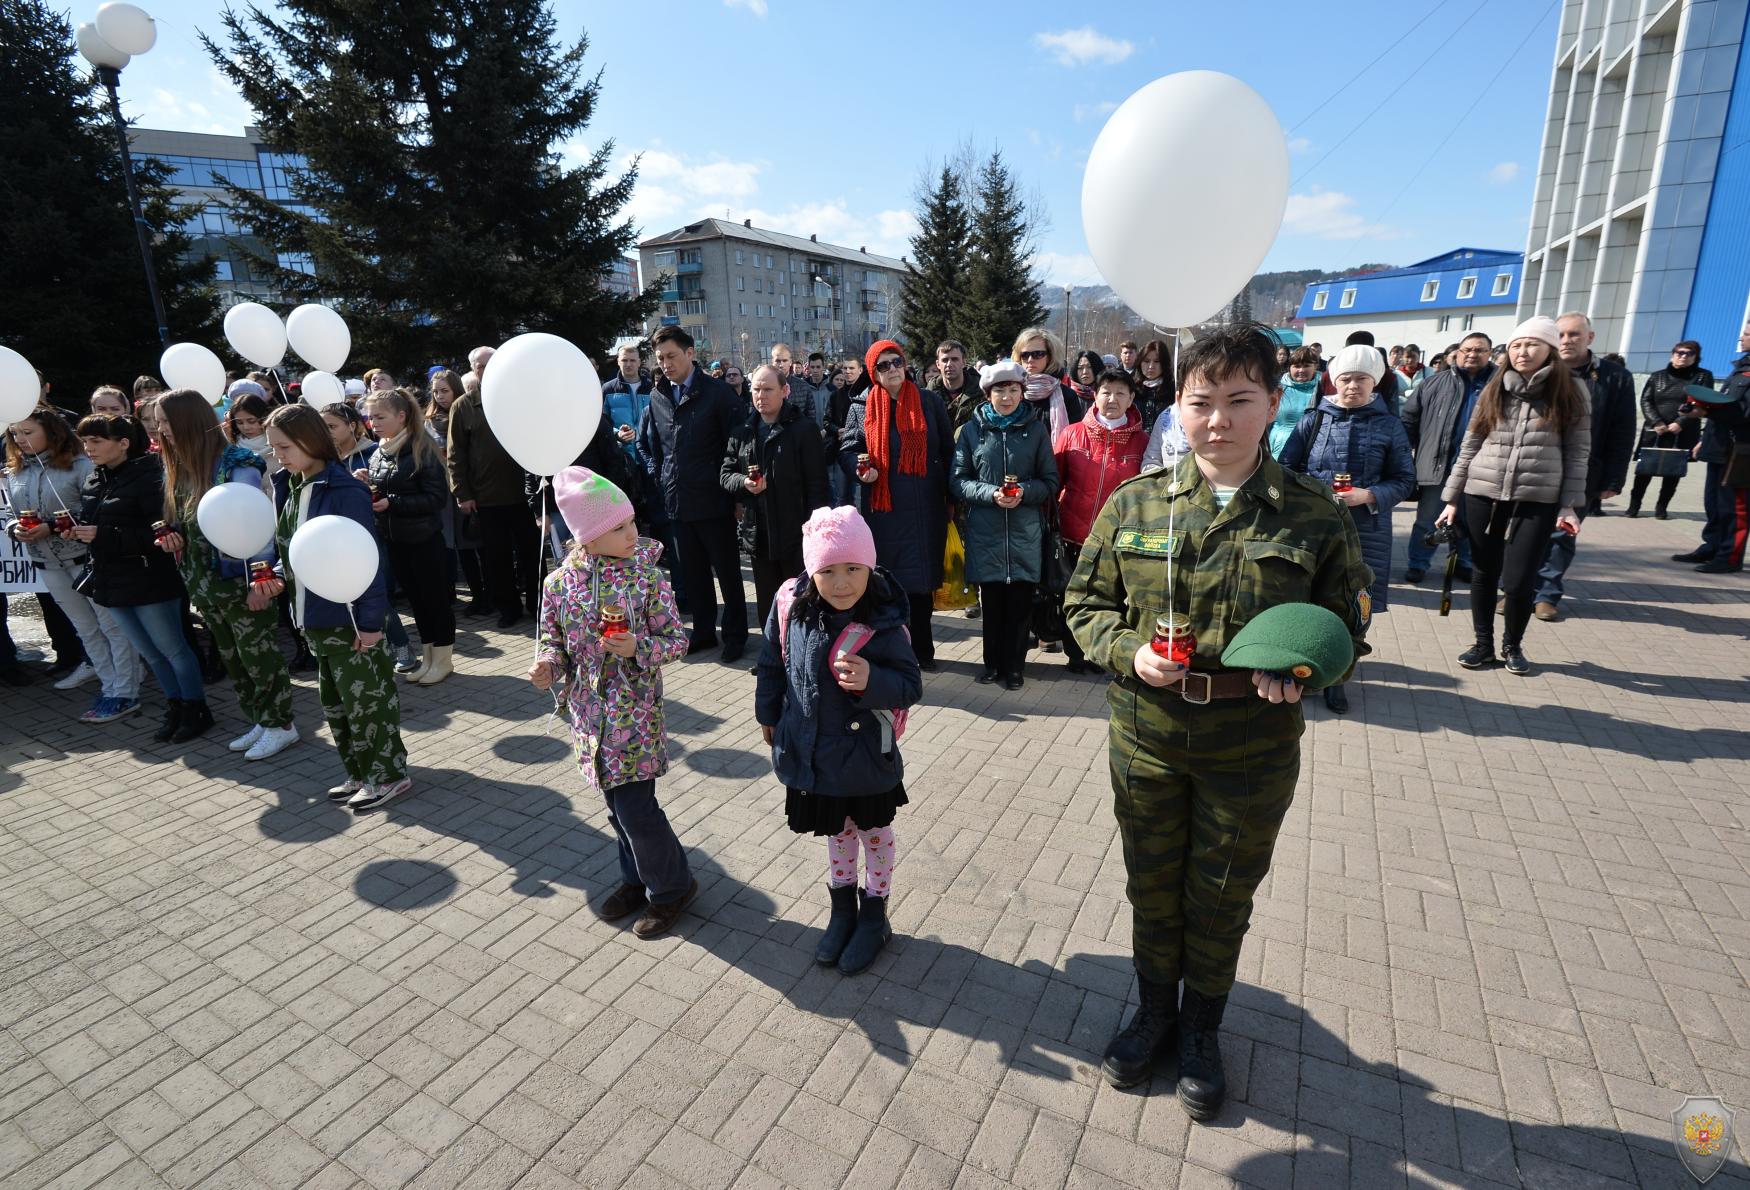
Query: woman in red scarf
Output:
(903,492)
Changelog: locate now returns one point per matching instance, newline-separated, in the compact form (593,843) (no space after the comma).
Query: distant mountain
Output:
(1275,298)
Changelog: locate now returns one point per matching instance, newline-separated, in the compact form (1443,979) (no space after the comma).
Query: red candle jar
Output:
(1340,483)
(865,467)
(260,574)
(28,520)
(613,620)
(64,521)
(1011,489)
(1173,639)
(753,473)
(161,530)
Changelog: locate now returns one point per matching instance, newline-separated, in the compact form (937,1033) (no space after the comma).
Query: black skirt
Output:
(818,814)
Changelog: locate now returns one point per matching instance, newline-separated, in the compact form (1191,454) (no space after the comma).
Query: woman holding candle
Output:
(45,472)
(410,489)
(230,592)
(1005,476)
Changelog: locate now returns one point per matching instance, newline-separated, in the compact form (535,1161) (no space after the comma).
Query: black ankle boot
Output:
(197,720)
(871,934)
(1336,699)
(1480,655)
(172,720)
(1202,1082)
(1131,1056)
(839,926)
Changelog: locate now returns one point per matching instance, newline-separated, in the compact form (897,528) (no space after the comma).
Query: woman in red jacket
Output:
(1094,456)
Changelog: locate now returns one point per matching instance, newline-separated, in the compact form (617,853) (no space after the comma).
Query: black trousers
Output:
(1508,541)
(923,639)
(62,635)
(1008,613)
(1667,489)
(510,546)
(768,576)
(703,549)
(422,570)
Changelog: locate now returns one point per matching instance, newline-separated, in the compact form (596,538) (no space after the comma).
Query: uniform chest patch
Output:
(1155,543)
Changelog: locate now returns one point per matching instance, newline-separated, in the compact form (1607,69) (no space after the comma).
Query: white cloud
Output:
(180,106)
(1331,215)
(1299,145)
(1058,269)
(757,7)
(1081,47)
(887,232)
(1503,173)
(1094,111)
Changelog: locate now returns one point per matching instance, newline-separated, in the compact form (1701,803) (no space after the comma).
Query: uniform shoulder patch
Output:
(1156,543)
(1363,609)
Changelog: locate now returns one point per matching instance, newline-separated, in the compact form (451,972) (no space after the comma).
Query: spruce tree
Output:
(75,302)
(1003,296)
(436,204)
(937,287)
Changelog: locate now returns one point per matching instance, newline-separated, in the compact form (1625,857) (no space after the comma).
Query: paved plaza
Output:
(1507,932)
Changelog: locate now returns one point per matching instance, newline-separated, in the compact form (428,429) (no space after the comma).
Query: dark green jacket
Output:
(1004,545)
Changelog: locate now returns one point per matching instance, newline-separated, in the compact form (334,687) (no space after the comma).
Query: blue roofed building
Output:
(1431,303)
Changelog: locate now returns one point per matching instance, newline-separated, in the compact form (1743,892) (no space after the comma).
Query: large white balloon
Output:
(237,518)
(334,556)
(320,336)
(95,50)
(189,365)
(1184,193)
(126,27)
(256,333)
(322,389)
(543,401)
(20,390)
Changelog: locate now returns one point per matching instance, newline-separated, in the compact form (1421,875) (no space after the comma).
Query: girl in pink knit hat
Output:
(835,676)
(608,625)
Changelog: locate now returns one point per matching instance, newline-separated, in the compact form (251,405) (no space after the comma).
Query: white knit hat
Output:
(1358,357)
(1538,326)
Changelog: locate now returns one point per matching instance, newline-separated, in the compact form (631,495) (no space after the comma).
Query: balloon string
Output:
(1173,508)
(55,492)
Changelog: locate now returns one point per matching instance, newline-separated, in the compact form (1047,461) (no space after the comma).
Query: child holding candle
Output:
(608,626)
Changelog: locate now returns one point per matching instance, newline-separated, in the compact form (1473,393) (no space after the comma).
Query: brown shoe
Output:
(1546,612)
(628,898)
(659,918)
(1501,606)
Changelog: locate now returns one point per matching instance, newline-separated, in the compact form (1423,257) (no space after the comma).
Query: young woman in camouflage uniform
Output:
(244,622)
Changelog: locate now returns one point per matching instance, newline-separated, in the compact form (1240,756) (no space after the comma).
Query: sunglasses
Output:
(1683,351)
(889,365)
(1032,355)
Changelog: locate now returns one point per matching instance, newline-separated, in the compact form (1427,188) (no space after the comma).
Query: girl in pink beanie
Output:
(608,625)
(835,676)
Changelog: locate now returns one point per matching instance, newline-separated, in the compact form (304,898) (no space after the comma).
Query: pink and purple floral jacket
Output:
(615,702)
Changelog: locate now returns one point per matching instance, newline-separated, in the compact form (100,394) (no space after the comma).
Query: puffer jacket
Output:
(127,567)
(828,742)
(1523,458)
(1663,398)
(1431,417)
(418,492)
(48,490)
(1091,462)
(615,702)
(1005,545)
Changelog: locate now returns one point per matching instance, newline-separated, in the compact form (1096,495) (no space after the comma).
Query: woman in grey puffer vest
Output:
(1521,473)
(45,472)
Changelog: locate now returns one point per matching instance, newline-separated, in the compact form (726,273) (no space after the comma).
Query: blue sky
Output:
(818,118)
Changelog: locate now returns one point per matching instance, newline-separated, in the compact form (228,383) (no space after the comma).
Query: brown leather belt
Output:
(1201,686)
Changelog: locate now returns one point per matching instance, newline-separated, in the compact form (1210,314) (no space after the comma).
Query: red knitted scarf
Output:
(879,420)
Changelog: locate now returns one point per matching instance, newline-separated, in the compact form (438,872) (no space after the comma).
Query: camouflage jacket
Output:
(1283,538)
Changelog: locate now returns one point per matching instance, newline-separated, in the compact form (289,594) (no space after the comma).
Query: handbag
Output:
(85,581)
(1668,462)
(1047,620)
(1737,474)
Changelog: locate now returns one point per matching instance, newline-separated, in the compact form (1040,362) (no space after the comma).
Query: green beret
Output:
(1302,641)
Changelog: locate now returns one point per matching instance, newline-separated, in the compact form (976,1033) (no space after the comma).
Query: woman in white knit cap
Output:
(1520,475)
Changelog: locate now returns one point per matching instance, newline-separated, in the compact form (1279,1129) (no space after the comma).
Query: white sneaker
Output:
(373,796)
(273,739)
(82,673)
(247,740)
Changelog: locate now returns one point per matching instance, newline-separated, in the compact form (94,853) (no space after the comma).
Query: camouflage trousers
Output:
(1199,793)
(363,709)
(248,645)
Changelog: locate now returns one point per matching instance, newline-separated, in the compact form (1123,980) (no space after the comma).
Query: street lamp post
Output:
(121,31)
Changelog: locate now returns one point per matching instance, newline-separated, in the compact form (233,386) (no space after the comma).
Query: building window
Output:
(741,308)
(784,300)
(1430,290)
(758,286)
(780,276)
(223,272)
(1348,298)
(1445,323)
(738,258)
(662,260)
(1503,283)
(769,261)
(756,260)
(690,256)
(1470,321)
(1321,299)
(741,284)
(1466,287)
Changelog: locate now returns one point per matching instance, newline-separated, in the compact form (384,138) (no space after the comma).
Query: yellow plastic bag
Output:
(954,593)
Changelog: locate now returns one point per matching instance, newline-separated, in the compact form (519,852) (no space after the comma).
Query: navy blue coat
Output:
(682,445)
(1371,444)
(337,493)
(828,742)
(910,540)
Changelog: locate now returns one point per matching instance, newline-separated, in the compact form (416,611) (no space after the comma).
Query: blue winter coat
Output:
(912,538)
(828,742)
(1004,545)
(1371,444)
(336,493)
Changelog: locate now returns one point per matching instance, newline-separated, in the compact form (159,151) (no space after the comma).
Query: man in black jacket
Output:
(682,441)
(1728,509)
(1436,416)
(1613,440)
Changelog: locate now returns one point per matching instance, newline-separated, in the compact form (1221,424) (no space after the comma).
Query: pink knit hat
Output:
(1539,326)
(590,504)
(834,535)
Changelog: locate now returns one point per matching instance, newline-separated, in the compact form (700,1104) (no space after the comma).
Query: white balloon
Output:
(256,333)
(1183,195)
(126,27)
(543,401)
(189,365)
(320,336)
(20,390)
(237,518)
(322,389)
(95,50)
(336,557)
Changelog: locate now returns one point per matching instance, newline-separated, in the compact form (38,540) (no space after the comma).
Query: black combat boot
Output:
(172,720)
(1132,1055)
(1202,1082)
(197,720)
(839,926)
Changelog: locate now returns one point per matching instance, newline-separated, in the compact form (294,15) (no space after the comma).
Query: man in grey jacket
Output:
(1436,416)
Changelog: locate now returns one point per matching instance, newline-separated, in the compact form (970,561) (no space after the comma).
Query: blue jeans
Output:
(1556,563)
(650,854)
(155,631)
(1429,506)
